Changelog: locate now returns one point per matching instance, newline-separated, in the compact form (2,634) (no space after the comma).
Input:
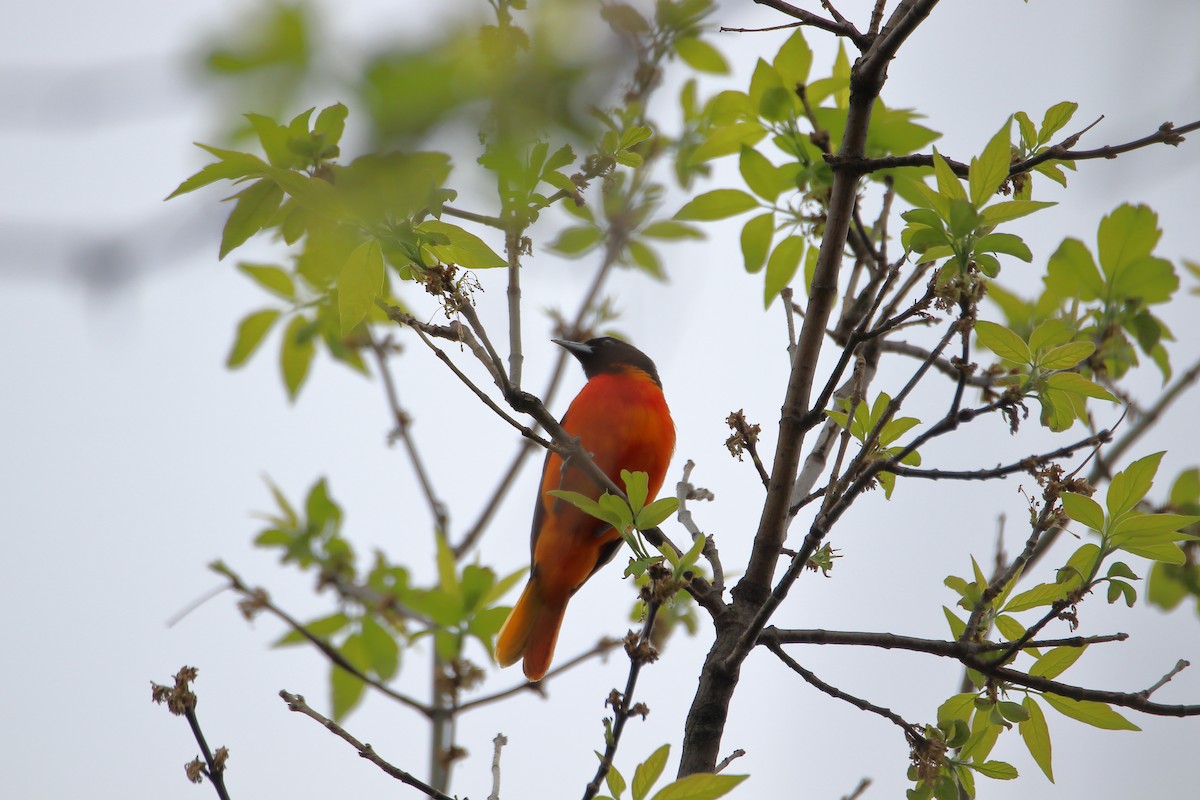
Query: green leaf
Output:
(1056,661)
(645,258)
(728,139)
(1049,334)
(576,240)
(346,692)
(1127,235)
(948,183)
(1055,118)
(782,267)
(957,707)
(1071,272)
(1099,715)
(1066,356)
(756,241)
(1041,595)
(1006,243)
(254,208)
(615,782)
(637,486)
(1010,210)
(1083,509)
(331,122)
(381,647)
(669,229)
(447,573)
(593,508)
(764,178)
(794,59)
(465,248)
(699,786)
(700,55)
(1003,342)
(272,278)
(656,513)
(360,282)
(322,628)
(250,333)
(1129,486)
(990,170)
(957,626)
(296,354)
(648,772)
(997,770)
(245,164)
(1075,383)
(1036,735)
(717,204)
(769,97)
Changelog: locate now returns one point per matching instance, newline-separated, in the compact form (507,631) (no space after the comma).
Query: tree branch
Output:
(839,26)
(641,651)
(602,648)
(257,600)
(295,702)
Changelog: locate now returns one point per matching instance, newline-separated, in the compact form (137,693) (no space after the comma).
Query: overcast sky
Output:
(129,457)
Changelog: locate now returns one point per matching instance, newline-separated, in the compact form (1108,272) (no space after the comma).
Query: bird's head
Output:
(608,355)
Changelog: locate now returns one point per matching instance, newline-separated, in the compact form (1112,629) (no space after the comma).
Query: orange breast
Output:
(622,419)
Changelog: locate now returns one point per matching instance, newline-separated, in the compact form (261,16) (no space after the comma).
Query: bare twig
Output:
(497,743)
(729,759)
(838,26)
(603,647)
(865,783)
(257,599)
(933,647)
(910,731)
(640,652)
(296,703)
(1167,133)
(1029,464)
(181,701)
(1179,667)
(402,431)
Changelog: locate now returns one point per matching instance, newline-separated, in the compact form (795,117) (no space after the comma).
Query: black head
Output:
(606,354)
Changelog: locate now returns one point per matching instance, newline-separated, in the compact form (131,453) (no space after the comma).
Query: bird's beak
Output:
(577,349)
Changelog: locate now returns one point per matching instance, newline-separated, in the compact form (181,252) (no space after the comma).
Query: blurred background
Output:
(130,457)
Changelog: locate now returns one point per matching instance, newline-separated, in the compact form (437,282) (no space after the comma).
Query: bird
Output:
(620,417)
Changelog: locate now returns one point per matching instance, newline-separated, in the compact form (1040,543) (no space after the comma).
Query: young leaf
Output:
(1083,509)
(251,331)
(782,267)
(464,248)
(360,282)
(1003,342)
(990,170)
(296,354)
(717,204)
(997,770)
(700,786)
(254,208)
(1099,715)
(648,772)
(701,56)
(1129,486)
(656,513)
(1036,734)
(756,241)
(1056,661)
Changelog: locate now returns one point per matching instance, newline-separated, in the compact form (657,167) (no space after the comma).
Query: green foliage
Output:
(373,635)
(875,428)
(700,786)
(1044,368)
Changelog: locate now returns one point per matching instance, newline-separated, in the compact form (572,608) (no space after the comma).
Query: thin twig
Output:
(497,743)
(1029,464)
(1179,667)
(910,731)
(865,783)
(1167,133)
(729,759)
(257,599)
(935,647)
(295,702)
(640,652)
(603,647)
(837,27)
(402,431)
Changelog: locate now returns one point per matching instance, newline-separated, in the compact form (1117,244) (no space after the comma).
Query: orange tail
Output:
(531,630)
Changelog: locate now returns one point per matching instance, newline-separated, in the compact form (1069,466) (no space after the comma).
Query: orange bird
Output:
(622,419)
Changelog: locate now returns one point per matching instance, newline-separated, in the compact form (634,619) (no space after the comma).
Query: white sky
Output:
(129,458)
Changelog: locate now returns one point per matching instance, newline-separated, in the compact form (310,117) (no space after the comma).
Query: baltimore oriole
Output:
(622,419)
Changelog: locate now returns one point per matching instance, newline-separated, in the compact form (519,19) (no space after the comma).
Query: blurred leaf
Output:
(700,55)
(360,282)
(250,333)
(254,208)
(717,204)
(699,786)
(756,240)
(296,354)
(782,267)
